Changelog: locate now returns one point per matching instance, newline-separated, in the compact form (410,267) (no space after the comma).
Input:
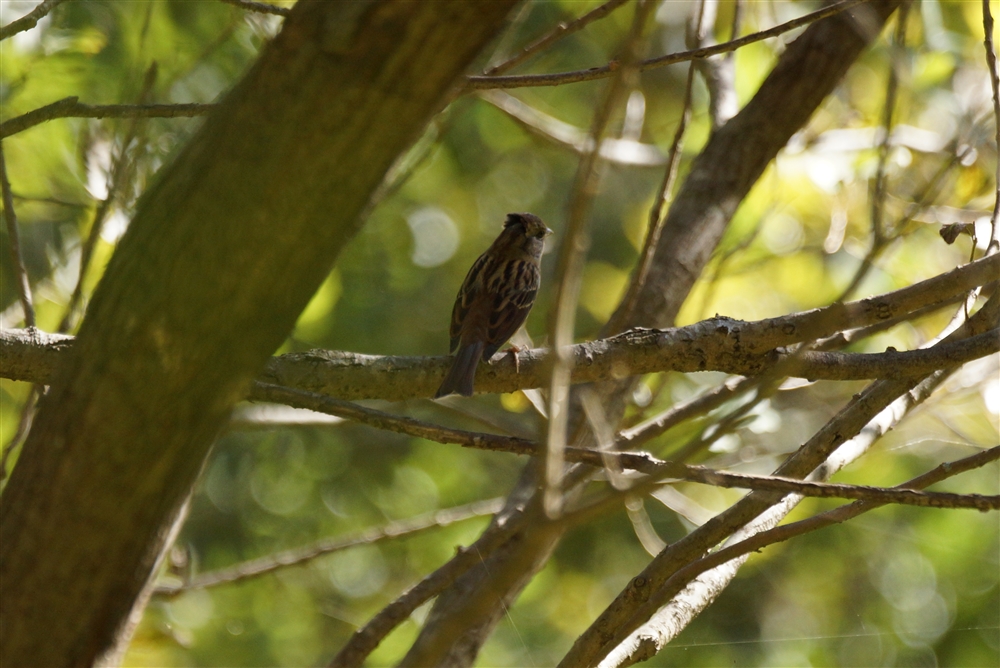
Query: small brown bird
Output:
(495,298)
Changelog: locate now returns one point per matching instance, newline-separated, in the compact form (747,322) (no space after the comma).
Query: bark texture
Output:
(224,252)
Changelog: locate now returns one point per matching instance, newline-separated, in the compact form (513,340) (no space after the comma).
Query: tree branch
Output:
(29,20)
(71,107)
(272,562)
(717,344)
(561,30)
(368,637)
(20,273)
(708,346)
(557,79)
(991,65)
(621,151)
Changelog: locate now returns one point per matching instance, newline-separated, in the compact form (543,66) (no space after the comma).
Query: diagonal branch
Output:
(29,20)
(368,637)
(526,80)
(272,562)
(20,273)
(564,29)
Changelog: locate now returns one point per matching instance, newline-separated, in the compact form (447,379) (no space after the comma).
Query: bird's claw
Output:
(514,350)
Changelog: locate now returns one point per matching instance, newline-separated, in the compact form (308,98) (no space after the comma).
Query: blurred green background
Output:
(898,586)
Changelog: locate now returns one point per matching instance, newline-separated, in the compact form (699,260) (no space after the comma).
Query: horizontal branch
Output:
(29,20)
(556,79)
(71,107)
(880,495)
(272,562)
(387,421)
(717,344)
(711,345)
(720,344)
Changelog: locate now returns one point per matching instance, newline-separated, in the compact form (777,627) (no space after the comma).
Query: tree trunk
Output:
(225,250)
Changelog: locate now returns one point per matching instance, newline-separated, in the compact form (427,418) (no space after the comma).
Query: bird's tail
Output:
(463,370)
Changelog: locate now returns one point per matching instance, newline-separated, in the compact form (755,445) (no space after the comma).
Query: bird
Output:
(495,298)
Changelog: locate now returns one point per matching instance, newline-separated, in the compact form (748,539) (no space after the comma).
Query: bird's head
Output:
(527,223)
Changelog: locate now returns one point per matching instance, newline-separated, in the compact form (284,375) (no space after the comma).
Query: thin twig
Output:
(991,62)
(389,422)
(843,513)
(526,80)
(569,270)
(23,426)
(734,29)
(272,562)
(259,7)
(657,217)
(718,72)
(27,413)
(70,107)
(563,29)
(881,495)
(17,259)
(50,200)
(888,111)
(29,20)
(620,151)
(880,235)
(673,416)
(927,195)
(122,173)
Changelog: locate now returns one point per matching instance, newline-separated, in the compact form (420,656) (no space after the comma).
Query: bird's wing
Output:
(512,296)
(472,288)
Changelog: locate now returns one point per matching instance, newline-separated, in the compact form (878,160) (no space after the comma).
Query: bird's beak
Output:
(548,231)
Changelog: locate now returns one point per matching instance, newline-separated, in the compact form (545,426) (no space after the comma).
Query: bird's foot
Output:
(514,350)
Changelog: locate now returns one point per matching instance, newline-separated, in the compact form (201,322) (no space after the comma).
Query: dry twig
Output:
(563,29)
(272,562)
(29,20)
(71,107)
(525,80)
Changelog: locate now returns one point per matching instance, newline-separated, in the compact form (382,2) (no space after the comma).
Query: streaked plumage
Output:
(495,298)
